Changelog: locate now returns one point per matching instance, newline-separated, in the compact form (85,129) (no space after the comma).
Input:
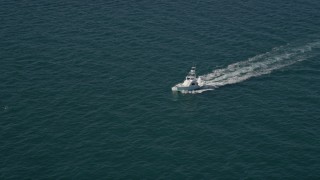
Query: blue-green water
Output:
(85,89)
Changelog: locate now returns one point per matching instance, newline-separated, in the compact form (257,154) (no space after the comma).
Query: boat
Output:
(191,82)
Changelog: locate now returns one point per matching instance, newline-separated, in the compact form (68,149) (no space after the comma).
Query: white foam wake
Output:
(258,65)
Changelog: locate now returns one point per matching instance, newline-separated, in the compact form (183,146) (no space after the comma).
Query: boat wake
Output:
(258,65)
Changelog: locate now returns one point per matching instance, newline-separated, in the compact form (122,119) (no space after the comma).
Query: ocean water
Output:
(85,89)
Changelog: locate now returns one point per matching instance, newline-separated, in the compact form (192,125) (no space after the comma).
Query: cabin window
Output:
(192,84)
(188,78)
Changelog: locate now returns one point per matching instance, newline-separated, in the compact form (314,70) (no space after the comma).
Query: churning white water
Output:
(258,65)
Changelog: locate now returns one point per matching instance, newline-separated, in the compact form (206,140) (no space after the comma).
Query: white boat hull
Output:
(180,88)
(191,82)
